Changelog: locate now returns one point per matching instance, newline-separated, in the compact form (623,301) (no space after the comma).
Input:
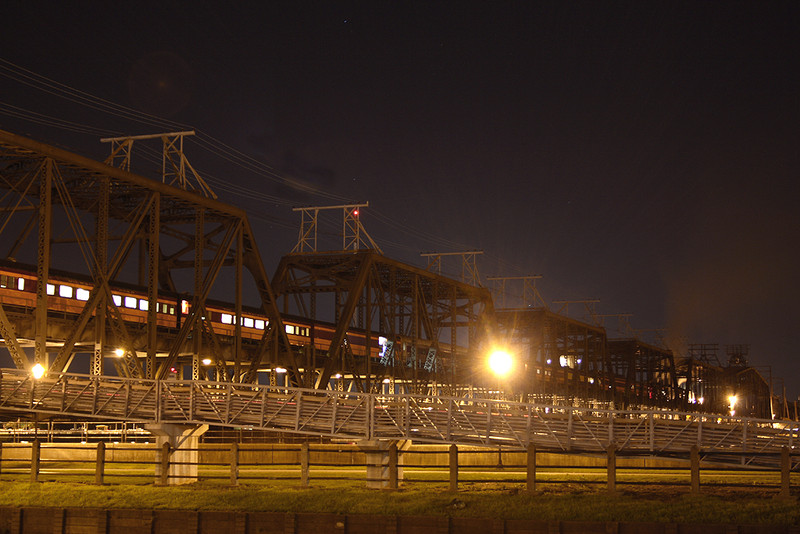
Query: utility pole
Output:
(469,269)
(174,165)
(530,294)
(354,235)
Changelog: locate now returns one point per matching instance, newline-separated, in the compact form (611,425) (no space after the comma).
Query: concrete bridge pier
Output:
(384,462)
(184,454)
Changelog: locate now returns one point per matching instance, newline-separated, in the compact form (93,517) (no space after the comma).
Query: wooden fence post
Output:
(453,468)
(393,465)
(165,450)
(100,464)
(305,455)
(694,457)
(531,468)
(234,464)
(786,467)
(611,467)
(35,459)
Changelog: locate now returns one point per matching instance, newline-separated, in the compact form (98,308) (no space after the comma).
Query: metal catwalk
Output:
(369,416)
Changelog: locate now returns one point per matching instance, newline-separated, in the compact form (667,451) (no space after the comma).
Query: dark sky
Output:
(640,153)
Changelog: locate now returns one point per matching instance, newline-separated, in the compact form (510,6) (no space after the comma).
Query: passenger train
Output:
(67,294)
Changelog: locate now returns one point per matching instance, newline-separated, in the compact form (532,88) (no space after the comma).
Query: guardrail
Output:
(450,468)
(361,416)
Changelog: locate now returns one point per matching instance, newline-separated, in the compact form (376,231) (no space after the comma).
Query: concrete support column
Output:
(183,441)
(384,464)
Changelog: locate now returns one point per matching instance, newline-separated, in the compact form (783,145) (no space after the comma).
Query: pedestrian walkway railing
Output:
(421,419)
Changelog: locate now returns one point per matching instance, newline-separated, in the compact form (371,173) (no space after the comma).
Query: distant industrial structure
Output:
(112,272)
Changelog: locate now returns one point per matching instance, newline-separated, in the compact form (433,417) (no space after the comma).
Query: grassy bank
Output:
(571,502)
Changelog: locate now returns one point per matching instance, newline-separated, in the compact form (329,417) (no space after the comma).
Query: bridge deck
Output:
(361,416)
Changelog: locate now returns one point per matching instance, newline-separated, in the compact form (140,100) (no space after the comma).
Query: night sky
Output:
(641,153)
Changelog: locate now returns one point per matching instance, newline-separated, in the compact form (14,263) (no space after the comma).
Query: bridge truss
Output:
(431,324)
(112,228)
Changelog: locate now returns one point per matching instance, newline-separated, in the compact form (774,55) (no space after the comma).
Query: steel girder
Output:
(59,210)
(650,375)
(558,356)
(431,322)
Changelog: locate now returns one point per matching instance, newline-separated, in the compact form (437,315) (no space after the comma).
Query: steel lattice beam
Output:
(87,212)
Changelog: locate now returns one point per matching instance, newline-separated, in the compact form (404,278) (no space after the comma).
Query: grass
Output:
(574,501)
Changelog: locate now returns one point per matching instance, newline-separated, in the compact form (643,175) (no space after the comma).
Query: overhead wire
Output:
(205,142)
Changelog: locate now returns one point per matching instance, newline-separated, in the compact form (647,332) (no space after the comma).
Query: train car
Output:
(68,294)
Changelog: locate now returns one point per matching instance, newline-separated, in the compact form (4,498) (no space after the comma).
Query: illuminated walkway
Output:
(360,416)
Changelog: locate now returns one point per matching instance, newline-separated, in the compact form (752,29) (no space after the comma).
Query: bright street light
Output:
(500,362)
(37,371)
(732,400)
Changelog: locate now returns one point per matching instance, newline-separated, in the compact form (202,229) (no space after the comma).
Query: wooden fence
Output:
(236,464)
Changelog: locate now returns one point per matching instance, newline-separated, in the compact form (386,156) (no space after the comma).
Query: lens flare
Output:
(500,362)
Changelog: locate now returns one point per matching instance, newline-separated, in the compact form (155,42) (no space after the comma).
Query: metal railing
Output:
(362,416)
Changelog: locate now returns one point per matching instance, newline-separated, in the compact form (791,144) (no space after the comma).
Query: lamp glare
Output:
(500,362)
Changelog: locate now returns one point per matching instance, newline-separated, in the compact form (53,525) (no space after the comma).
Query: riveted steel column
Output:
(101,257)
(199,248)
(237,349)
(153,258)
(43,261)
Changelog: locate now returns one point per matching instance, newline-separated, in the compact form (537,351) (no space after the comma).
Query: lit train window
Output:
(248,322)
(144,305)
(21,284)
(259,324)
(185,307)
(226,318)
(117,300)
(65,291)
(172,310)
(290,329)
(130,302)
(51,289)
(82,294)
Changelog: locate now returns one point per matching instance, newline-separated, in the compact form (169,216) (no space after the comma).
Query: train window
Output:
(21,284)
(248,322)
(130,302)
(144,305)
(5,281)
(82,294)
(117,300)
(65,291)
(290,329)
(172,310)
(185,307)
(51,289)
(226,318)
(259,324)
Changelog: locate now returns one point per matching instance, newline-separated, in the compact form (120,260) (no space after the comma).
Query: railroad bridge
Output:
(105,264)
(111,266)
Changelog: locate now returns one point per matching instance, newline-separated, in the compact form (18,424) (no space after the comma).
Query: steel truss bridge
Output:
(368,416)
(109,228)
